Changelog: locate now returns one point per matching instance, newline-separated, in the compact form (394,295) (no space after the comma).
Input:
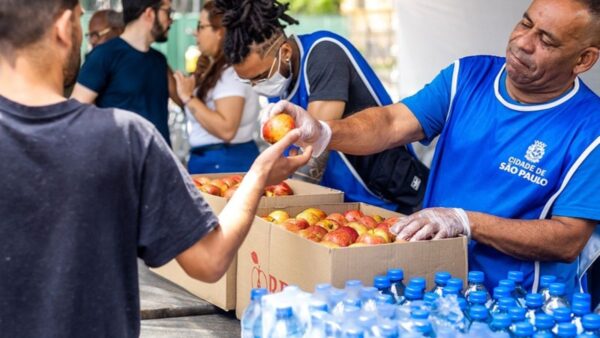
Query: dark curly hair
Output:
(209,70)
(251,22)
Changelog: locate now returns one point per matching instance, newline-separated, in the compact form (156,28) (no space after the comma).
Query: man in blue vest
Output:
(517,161)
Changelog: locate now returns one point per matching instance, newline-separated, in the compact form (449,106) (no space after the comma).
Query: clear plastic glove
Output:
(432,223)
(312,132)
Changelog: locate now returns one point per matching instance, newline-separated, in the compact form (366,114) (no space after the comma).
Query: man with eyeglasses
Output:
(104,25)
(126,72)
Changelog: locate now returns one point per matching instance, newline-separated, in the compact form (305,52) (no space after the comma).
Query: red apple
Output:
(351,232)
(318,212)
(219,183)
(268,218)
(201,180)
(279,216)
(359,227)
(371,239)
(295,225)
(385,228)
(339,218)
(277,126)
(377,218)
(368,221)
(313,233)
(311,218)
(211,189)
(391,221)
(339,237)
(229,181)
(328,224)
(353,215)
(282,189)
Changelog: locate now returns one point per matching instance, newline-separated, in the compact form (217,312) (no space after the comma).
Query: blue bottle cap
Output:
(385,299)
(418,281)
(506,303)
(501,321)
(413,292)
(546,280)
(543,321)
(591,322)
(367,320)
(523,329)
(381,282)
(419,314)
(395,275)
(580,308)
(353,283)
(478,312)
(516,314)
(388,330)
(283,312)
(557,289)
(455,282)
(352,301)
(354,332)
(430,297)
(507,283)
(478,297)
(582,297)
(476,277)
(351,311)
(501,292)
(449,290)
(462,303)
(368,292)
(317,305)
(534,300)
(516,276)
(441,277)
(336,296)
(562,314)
(322,287)
(566,330)
(257,293)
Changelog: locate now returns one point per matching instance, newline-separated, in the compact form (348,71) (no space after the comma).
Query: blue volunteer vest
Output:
(339,173)
(509,160)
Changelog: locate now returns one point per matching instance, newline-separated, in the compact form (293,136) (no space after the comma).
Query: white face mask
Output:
(276,85)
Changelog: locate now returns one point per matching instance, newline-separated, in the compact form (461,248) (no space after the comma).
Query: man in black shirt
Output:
(86,191)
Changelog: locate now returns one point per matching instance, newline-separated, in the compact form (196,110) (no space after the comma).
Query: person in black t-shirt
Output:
(71,232)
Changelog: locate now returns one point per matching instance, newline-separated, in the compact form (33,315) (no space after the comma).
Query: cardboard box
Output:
(304,193)
(223,292)
(273,257)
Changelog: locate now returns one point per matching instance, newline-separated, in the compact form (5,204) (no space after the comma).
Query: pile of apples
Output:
(352,228)
(226,186)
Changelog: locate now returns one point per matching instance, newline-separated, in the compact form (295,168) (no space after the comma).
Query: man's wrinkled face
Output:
(545,45)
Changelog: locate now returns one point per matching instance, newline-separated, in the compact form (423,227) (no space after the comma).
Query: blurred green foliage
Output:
(314,6)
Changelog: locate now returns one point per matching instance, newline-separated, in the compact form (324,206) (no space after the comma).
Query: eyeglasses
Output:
(202,26)
(264,76)
(97,35)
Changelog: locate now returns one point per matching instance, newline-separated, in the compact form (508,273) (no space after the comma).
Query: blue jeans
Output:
(222,158)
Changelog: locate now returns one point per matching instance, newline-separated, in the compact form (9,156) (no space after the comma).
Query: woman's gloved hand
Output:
(432,223)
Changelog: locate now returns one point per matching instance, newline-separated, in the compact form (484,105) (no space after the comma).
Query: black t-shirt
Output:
(85,192)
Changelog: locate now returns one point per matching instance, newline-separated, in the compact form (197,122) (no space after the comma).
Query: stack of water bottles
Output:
(390,308)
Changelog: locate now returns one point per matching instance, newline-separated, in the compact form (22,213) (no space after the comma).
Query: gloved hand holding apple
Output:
(312,131)
(432,223)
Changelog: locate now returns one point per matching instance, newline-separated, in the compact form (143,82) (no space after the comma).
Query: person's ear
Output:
(586,60)
(63,27)
(149,15)
(286,52)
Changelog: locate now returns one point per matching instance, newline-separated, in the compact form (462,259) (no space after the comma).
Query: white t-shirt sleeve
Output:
(228,85)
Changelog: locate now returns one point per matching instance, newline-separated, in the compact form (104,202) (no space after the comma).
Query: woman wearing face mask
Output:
(326,75)
(222,111)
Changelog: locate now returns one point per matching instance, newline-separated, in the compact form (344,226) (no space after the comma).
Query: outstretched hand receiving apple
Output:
(432,223)
(312,132)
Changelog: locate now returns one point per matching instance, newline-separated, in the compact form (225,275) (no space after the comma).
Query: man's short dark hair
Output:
(133,9)
(23,23)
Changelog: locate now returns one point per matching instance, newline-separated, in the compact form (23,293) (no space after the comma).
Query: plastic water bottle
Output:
(499,293)
(421,324)
(353,287)
(500,325)
(317,325)
(545,282)
(591,325)
(336,302)
(388,329)
(440,279)
(412,295)
(523,330)
(286,324)
(503,305)
(430,300)
(384,299)
(396,277)
(533,303)
(561,315)
(582,297)
(368,323)
(322,292)
(458,284)
(477,298)
(479,324)
(544,323)
(557,298)
(476,279)
(543,335)
(383,284)
(354,332)
(252,316)
(517,315)
(580,309)
(386,311)
(566,330)
(419,282)
(510,285)
(520,293)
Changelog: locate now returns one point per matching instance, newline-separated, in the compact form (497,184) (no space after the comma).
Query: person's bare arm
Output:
(173,88)
(224,121)
(83,94)
(559,238)
(375,129)
(326,110)
(209,258)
